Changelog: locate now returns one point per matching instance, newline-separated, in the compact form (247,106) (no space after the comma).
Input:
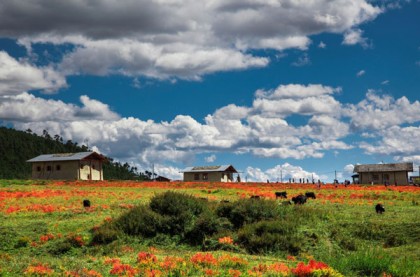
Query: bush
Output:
(140,221)
(247,211)
(270,236)
(178,211)
(368,263)
(59,247)
(104,235)
(206,225)
(174,203)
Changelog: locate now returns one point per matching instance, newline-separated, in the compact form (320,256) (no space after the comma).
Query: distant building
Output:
(393,174)
(162,179)
(68,166)
(218,173)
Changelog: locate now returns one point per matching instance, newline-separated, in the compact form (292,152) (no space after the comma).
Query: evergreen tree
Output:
(16,147)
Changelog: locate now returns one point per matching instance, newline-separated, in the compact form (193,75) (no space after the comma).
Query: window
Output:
(205,176)
(38,168)
(48,168)
(375,177)
(196,176)
(58,167)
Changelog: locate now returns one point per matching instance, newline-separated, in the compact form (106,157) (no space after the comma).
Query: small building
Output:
(161,179)
(218,173)
(68,166)
(393,174)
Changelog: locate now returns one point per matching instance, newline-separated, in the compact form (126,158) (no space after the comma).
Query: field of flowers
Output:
(46,231)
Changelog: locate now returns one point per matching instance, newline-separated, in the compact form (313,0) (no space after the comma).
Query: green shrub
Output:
(368,263)
(173,203)
(225,209)
(104,235)
(59,247)
(247,211)
(22,242)
(140,221)
(270,236)
(206,225)
(178,211)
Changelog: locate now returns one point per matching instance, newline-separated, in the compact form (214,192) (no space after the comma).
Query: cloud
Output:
(355,36)
(195,38)
(302,60)
(349,169)
(261,129)
(396,140)
(210,159)
(17,76)
(297,91)
(385,82)
(360,73)
(322,45)
(379,112)
(278,173)
(28,108)
(386,126)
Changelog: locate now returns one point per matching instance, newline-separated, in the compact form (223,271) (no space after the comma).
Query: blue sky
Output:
(273,87)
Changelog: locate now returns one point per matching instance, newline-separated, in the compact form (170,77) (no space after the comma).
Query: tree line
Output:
(16,147)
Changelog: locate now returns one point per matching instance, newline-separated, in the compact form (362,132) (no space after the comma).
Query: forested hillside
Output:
(16,147)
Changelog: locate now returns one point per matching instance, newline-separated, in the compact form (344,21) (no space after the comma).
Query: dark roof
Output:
(213,168)
(383,167)
(66,157)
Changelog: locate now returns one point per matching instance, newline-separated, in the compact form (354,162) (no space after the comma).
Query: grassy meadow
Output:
(46,231)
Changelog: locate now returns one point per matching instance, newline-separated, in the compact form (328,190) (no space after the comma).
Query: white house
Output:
(218,173)
(68,166)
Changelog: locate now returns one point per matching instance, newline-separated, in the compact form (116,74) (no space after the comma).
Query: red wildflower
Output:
(203,259)
(145,257)
(39,270)
(303,270)
(123,269)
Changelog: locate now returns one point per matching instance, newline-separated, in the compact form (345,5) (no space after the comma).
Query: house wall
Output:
(211,177)
(90,170)
(67,170)
(398,177)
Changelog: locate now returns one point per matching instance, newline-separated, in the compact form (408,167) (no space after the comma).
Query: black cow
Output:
(255,197)
(310,195)
(379,208)
(281,194)
(300,199)
(286,203)
(86,203)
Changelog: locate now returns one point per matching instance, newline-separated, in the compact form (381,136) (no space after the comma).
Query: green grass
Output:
(349,237)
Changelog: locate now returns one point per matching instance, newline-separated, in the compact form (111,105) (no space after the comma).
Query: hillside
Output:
(16,147)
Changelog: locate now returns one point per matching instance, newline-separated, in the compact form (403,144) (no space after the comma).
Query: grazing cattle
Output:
(86,203)
(310,195)
(225,201)
(300,199)
(281,194)
(255,197)
(379,208)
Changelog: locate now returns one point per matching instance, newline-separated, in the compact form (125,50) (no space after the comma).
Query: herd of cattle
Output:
(297,200)
(301,199)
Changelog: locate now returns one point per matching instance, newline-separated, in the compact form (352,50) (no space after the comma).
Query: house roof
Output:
(383,167)
(214,168)
(66,157)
